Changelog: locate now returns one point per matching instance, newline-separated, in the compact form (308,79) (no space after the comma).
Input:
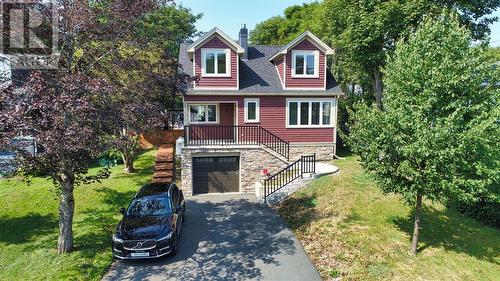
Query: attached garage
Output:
(216,174)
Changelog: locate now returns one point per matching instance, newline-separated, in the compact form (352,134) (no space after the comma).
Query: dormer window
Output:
(305,64)
(216,62)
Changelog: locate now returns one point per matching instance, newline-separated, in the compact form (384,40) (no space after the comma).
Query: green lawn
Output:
(29,225)
(350,229)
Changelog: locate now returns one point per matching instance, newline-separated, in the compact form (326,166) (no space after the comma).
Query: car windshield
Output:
(149,207)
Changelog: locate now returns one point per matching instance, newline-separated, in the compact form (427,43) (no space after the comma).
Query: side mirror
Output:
(178,209)
(122,210)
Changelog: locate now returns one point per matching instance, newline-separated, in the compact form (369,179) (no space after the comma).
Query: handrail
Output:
(227,135)
(297,169)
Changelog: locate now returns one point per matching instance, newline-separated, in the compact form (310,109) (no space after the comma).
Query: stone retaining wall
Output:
(253,159)
(323,151)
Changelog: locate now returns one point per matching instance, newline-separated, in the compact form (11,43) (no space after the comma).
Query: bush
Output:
(485,210)
(110,158)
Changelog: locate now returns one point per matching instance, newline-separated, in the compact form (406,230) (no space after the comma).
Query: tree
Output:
(69,117)
(69,112)
(144,58)
(438,137)
(364,32)
(167,27)
(281,30)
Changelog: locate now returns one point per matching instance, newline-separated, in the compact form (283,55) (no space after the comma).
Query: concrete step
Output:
(287,190)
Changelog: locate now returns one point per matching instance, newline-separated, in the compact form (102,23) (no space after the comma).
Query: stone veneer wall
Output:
(323,151)
(253,159)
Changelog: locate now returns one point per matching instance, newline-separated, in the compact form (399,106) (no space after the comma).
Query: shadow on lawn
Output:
(453,232)
(100,224)
(299,211)
(21,229)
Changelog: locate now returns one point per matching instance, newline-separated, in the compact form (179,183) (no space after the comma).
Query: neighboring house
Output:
(254,109)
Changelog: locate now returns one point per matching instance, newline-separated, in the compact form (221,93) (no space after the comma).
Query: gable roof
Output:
(306,35)
(257,74)
(208,35)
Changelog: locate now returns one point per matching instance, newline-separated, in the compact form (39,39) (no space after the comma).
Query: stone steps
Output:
(288,190)
(164,166)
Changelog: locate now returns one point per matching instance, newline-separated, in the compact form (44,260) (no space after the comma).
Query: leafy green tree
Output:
(438,136)
(280,30)
(494,54)
(365,32)
(167,27)
(142,63)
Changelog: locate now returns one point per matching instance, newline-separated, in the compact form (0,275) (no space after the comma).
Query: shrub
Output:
(485,210)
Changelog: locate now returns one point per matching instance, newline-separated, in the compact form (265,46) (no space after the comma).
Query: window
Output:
(309,113)
(215,62)
(203,113)
(252,110)
(293,112)
(305,64)
(304,113)
(145,207)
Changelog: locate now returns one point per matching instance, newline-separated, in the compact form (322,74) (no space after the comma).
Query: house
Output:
(254,110)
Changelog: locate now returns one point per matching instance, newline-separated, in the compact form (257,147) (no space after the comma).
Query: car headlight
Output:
(116,239)
(166,237)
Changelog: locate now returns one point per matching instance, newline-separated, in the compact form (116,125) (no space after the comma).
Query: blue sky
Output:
(228,15)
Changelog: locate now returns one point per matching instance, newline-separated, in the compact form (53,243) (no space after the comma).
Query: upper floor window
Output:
(305,64)
(252,110)
(216,62)
(310,113)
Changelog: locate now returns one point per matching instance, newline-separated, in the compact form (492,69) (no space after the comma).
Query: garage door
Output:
(216,174)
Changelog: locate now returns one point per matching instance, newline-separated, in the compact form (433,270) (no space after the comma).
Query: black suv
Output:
(151,224)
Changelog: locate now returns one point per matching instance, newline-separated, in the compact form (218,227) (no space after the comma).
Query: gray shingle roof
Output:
(257,74)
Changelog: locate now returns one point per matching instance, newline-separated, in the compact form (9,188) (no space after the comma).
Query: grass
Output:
(29,225)
(351,230)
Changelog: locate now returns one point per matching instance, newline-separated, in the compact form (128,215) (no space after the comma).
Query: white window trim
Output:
(320,100)
(217,111)
(205,51)
(257,110)
(296,53)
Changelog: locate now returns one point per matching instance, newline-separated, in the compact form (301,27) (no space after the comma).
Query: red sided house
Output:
(255,110)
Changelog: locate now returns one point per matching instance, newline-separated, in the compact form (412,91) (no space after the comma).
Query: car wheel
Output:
(175,246)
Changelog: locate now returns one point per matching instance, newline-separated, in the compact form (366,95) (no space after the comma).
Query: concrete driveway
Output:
(226,237)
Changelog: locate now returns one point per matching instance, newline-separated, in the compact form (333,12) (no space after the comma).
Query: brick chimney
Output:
(243,40)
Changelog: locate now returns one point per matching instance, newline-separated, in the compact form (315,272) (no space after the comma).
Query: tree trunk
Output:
(66,211)
(416,226)
(128,161)
(378,88)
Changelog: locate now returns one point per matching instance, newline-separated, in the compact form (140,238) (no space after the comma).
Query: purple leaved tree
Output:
(71,113)
(69,116)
